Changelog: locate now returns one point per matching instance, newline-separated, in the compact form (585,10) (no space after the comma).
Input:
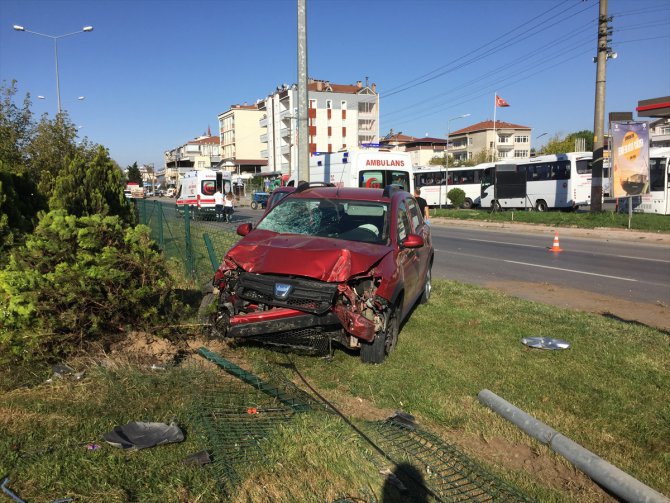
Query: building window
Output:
(521,139)
(312,103)
(521,153)
(330,131)
(503,139)
(329,104)
(330,148)
(344,132)
(471,141)
(343,105)
(664,130)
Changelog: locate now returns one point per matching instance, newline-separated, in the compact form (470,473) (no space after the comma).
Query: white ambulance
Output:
(196,189)
(364,167)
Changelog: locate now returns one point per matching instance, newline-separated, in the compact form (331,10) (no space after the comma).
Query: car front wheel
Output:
(384,342)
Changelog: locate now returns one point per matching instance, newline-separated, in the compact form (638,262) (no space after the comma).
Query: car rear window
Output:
(337,219)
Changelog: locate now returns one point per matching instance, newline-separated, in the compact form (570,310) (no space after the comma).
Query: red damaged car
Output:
(327,265)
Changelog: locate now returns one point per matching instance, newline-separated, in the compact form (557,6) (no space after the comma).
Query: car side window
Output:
(402,223)
(414,213)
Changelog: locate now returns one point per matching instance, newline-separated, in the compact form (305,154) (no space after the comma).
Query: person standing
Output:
(423,205)
(218,204)
(228,207)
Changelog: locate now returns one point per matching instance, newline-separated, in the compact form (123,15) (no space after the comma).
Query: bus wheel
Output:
(467,204)
(254,205)
(541,205)
(496,205)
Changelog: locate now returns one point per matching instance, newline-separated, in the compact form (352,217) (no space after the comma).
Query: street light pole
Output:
(55,38)
(446,160)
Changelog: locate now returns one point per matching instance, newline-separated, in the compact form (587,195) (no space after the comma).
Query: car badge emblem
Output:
(282,290)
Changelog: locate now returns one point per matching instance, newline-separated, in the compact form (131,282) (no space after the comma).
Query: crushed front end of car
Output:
(297,312)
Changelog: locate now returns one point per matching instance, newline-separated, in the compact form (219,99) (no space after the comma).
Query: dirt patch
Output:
(653,315)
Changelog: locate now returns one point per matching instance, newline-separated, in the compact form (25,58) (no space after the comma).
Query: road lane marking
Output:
(571,270)
(643,258)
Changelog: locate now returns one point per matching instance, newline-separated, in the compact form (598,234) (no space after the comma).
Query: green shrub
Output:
(457,197)
(77,279)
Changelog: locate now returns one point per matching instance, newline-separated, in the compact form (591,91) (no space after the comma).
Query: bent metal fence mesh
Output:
(240,413)
(195,245)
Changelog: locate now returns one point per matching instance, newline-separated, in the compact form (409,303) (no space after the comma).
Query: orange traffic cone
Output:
(555,247)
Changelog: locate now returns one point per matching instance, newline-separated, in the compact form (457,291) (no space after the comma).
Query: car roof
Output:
(350,193)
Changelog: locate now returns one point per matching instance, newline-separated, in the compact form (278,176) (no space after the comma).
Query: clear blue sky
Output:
(156,73)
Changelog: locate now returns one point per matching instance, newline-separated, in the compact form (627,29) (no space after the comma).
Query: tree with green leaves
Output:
(51,148)
(91,185)
(16,129)
(558,144)
(133,174)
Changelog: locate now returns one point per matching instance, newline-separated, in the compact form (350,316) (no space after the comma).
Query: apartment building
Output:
(659,133)
(421,149)
(504,141)
(240,139)
(202,152)
(340,116)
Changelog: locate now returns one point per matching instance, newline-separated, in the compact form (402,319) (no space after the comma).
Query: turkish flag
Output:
(501,102)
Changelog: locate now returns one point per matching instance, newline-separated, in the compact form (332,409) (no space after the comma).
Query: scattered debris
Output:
(135,435)
(198,459)
(403,418)
(545,343)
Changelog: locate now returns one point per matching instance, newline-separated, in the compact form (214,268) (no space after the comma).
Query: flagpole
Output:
(493,154)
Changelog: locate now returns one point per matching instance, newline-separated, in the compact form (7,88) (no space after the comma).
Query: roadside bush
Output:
(457,197)
(77,279)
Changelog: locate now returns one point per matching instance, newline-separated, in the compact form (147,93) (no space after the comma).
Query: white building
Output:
(340,116)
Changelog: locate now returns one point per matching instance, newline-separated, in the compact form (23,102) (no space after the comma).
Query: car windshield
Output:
(364,221)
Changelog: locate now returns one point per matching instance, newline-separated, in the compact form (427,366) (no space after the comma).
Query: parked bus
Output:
(365,167)
(434,190)
(658,198)
(196,189)
(540,183)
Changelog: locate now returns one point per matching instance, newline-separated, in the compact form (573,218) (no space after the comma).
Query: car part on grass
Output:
(608,476)
(136,435)
(199,458)
(545,343)
(16,498)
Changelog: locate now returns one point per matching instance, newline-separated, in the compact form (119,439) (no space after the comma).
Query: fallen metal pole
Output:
(604,473)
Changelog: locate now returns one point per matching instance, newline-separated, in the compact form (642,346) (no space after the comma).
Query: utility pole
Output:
(303,140)
(599,115)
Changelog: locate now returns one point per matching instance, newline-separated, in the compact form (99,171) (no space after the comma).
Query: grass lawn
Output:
(610,393)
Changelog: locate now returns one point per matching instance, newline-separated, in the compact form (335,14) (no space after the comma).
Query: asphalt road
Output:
(604,265)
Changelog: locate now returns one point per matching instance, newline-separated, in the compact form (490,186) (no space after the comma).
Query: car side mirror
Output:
(244,229)
(413,241)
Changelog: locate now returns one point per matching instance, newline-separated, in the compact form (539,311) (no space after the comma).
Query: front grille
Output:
(306,295)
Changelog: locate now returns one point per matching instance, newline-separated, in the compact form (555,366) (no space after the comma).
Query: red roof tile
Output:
(485,125)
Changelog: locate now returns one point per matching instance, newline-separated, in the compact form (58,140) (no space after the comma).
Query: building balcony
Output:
(264,153)
(285,114)
(285,167)
(263,122)
(505,146)
(285,132)
(285,149)
(264,138)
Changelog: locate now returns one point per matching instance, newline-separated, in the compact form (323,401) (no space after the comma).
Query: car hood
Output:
(332,260)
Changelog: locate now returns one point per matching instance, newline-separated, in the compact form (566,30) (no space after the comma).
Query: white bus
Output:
(364,167)
(431,181)
(658,198)
(543,182)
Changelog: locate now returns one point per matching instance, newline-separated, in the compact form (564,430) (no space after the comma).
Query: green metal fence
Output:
(197,245)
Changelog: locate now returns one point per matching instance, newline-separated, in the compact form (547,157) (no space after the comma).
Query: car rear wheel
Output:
(384,342)
(427,288)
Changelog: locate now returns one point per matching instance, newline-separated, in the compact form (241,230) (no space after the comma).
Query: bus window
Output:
(657,174)
(584,166)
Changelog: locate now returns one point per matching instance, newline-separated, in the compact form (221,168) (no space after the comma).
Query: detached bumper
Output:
(277,320)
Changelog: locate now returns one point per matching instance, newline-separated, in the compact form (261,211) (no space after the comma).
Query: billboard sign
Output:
(630,159)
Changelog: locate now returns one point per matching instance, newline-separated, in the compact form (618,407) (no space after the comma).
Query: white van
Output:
(196,189)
